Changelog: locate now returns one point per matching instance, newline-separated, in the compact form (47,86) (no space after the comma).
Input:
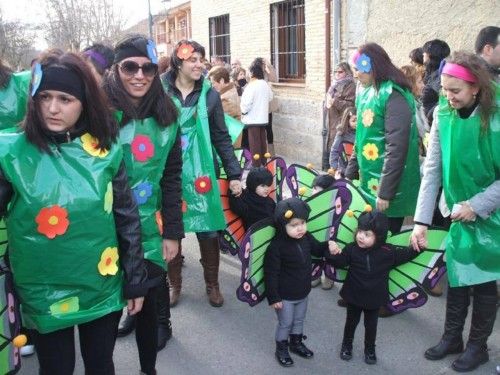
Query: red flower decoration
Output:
(52,221)
(202,184)
(142,148)
(185,51)
(184,206)
(159,222)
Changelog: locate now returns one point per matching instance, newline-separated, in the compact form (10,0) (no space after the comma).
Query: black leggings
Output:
(352,320)
(56,350)
(146,330)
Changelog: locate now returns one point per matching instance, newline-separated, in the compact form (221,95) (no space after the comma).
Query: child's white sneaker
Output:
(27,350)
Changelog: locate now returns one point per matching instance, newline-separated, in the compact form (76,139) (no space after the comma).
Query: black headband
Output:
(62,79)
(129,51)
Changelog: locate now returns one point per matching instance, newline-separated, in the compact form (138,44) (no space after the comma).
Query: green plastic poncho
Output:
(370,149)
(202,207)
(63,248)
(146,146)
(471,163)
(13,99)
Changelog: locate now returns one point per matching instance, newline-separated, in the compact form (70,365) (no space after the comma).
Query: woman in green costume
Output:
(386,145)
(204,132)
(150,138)
(14,89)
(464,158)
(73,226)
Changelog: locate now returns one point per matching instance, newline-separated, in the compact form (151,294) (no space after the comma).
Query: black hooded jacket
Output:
(367,281)
(288,267)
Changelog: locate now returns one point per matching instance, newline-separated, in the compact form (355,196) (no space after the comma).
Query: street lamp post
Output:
(150,19)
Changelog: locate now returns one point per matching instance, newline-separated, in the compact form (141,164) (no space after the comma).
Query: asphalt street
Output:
(238,339)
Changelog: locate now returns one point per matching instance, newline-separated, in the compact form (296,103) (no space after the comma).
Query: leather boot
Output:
(210,256)
(127,326)
(282,354)
(298,347)
(457,304)
(163,314)
(483,319)
(346,350)
(175,278)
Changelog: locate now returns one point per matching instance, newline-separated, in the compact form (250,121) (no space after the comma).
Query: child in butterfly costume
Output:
(254,203)
(287,276)
(365,289)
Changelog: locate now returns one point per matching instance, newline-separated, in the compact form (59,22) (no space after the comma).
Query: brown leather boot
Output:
(210,255)
(175,278)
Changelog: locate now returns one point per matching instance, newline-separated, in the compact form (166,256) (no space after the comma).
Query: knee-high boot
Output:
(484,312)
(457,304)
(210,256)
(175,277)
(163,313)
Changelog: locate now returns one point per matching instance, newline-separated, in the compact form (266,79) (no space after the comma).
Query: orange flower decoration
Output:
(159,222)
(52,221)
(185,51)
(202,184)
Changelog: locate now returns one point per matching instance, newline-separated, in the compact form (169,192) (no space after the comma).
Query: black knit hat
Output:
(375,221)
(323,181)
(288,209)
(259,176)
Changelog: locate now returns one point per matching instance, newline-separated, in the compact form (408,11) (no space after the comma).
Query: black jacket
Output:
(287,267)
(367,281)
(219,135)
(128,230)
(251,207)
(171,190)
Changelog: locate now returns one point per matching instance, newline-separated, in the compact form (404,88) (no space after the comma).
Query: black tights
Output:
(56,350)
(352,320)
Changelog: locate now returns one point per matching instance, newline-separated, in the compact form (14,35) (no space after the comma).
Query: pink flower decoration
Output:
(142,148)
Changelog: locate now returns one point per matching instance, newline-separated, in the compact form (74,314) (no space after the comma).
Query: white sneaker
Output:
(27,350)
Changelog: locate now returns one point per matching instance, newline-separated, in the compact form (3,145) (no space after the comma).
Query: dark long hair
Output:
(486,94)
(382,67)
(95,118)
(155,103)
(176,62)
(437,50)
(5,73)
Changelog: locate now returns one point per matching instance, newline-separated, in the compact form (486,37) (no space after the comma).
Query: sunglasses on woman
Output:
(131,68)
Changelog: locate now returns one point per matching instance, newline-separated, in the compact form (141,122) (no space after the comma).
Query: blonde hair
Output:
(413,73)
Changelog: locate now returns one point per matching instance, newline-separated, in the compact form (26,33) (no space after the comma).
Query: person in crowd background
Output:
(100,57)
(488,47)
(219,77)
(346,132)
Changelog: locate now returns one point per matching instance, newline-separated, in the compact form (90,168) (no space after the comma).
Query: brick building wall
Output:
(398,25)
(297,124)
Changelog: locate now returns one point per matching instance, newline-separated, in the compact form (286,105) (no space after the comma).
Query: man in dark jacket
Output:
(488,47)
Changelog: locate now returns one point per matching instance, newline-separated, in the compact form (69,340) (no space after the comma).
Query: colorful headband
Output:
(97,57)
(460,72)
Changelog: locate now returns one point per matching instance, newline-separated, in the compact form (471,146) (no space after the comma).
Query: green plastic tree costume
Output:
(63,248)
(13,99)
(146,146)
(471,162)
(202,207)
(370,149)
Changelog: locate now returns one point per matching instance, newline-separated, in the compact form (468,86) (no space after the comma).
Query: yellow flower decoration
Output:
(370,151)
(108,198)
(367,117)
(107,265)
(65,306)
(91,145)
(373,186)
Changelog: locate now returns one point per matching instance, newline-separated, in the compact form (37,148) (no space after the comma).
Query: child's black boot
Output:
(346,350)
(298,347)
(282,354)
(370,356)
